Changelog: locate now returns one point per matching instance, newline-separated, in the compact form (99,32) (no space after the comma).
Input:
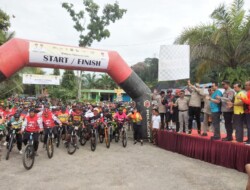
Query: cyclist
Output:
(32,124)
(63,116)
(76,119)
(48,120)
(16,123)
(107,117)
(25,111)
(120,117)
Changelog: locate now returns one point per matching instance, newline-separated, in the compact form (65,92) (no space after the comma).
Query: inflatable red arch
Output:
(18,53)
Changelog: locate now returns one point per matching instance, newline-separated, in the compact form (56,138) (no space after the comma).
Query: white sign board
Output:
(67,56)
(174,62)
(41,79)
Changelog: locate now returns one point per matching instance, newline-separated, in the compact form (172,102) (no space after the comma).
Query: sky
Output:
(146,26)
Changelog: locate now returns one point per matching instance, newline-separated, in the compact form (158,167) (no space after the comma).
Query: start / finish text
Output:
(66,60)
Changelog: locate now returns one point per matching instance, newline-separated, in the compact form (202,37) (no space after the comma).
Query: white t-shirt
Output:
(156,121)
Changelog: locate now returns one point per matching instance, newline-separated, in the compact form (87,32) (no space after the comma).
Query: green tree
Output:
(90,81)
(56,72)
(106,82)
(223,44)
(5,34)
(67,89)
(69,80)
(147,71)
(91,25)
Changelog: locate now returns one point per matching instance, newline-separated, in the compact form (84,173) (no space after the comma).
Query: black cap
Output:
(32,110)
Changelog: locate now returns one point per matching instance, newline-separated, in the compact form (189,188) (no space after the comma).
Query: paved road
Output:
(135,167)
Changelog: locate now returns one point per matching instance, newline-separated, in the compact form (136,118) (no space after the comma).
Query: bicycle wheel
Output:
(41,137)
(10,145)
(93,142)
(28,157)
(50,147)
(72,144)
(59,136)
(83,138)
(116,137)
(124,139)
(107,138)
(101,138)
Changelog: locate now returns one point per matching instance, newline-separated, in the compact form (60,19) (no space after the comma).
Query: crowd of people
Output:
(40,115)
(209,103)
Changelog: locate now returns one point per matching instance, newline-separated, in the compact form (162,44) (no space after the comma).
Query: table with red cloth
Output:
(228,154)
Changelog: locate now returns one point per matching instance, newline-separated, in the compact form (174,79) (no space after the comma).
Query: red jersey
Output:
(31,124)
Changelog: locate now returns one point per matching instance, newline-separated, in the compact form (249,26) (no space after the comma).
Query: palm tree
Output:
(90,81)
(222,45)
(106,82)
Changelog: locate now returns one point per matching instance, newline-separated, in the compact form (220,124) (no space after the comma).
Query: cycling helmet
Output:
(106,110)
(32,110)
(16,115)
(46,110)
(169,91)
(63,108)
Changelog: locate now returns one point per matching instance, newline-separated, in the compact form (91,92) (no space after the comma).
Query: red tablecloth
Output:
(228,154)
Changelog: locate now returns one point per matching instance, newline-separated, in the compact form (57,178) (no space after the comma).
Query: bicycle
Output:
(101,133)
(2,131)
(119,125)
(93,138)
(124,136)
(59,135)
(85,134)
(29,154)
(49,143)
(12,141)
(72,144)
(121,129)
(107,133)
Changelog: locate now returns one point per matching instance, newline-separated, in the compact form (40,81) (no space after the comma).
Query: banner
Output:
(67,56)
(174,62)
(41,79)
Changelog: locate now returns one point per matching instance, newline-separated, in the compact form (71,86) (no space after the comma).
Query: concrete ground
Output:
(135,167)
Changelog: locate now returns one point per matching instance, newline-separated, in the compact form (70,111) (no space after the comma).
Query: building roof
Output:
(102,91)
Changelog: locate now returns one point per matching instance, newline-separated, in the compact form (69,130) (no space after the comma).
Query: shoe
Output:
(135,142)
(20,152)
(215,138)
(227,139)
(5,143)
(141,142)
(189,132)
(199,132)
(204,134)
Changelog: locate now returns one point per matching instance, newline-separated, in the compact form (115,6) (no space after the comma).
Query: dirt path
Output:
(135,167)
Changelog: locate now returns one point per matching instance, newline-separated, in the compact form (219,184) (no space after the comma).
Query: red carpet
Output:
(228,154)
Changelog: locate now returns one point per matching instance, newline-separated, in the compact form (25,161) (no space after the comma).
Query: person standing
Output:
(228,95)
(215,110)
(170,99)
(182,104)
(136,118)
(246,101)
(207,113)
(162,101)
(194,106)
(155,125)
(238,107)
